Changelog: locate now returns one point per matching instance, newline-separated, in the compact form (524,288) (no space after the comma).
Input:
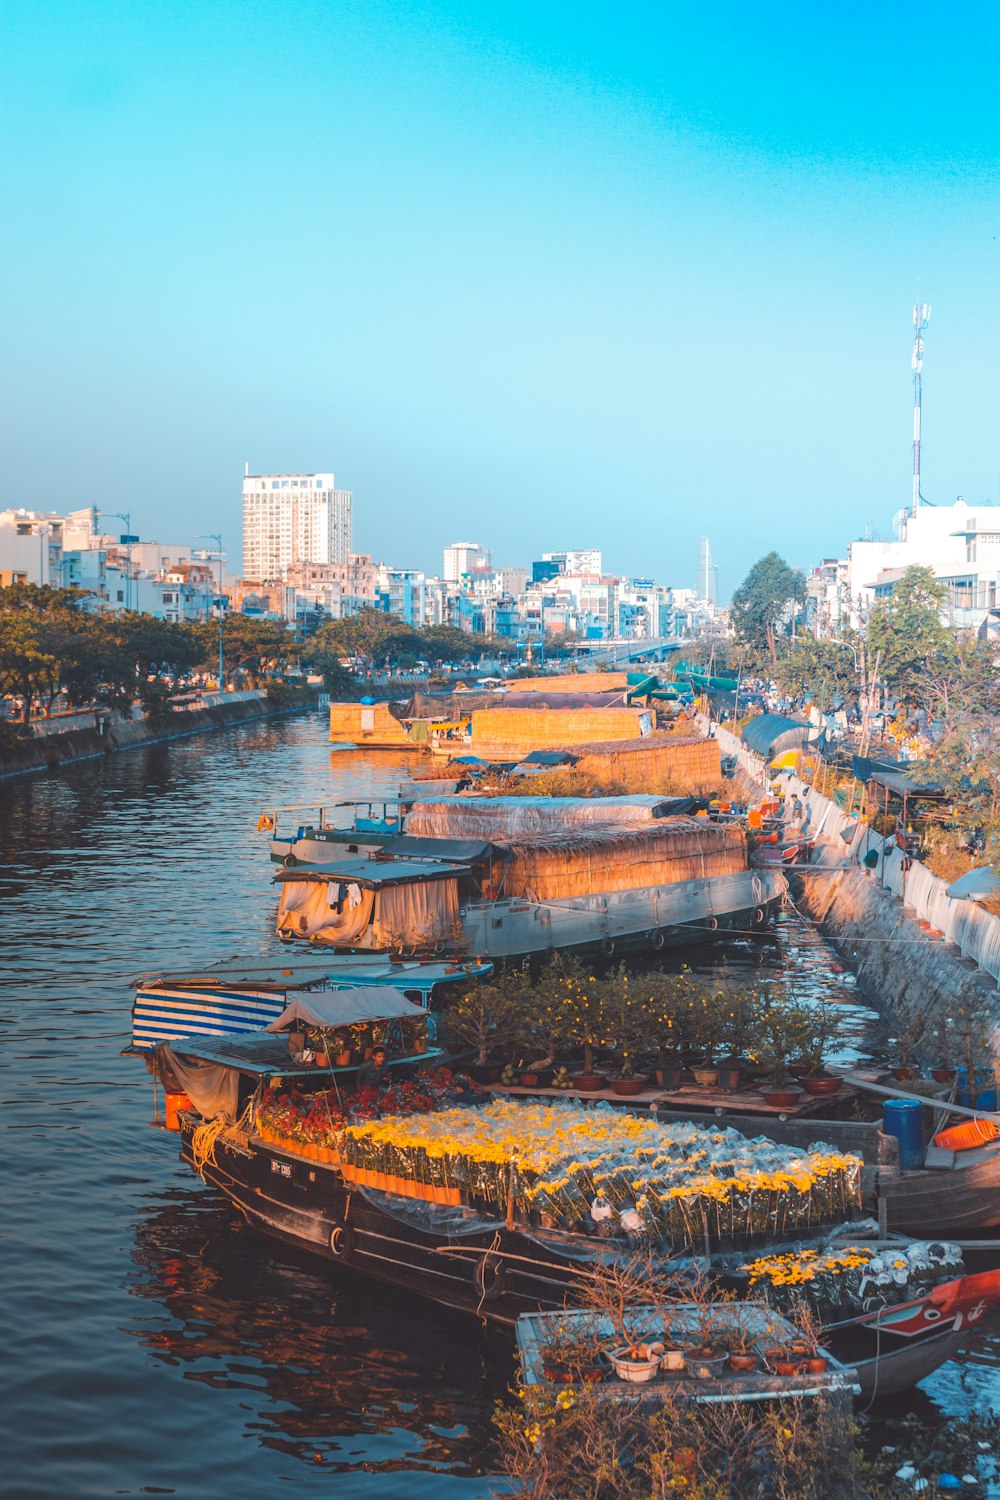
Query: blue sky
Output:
(541,276)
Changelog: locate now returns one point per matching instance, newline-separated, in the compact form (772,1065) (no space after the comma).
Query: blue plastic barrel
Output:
(986,1097)
(901,1118)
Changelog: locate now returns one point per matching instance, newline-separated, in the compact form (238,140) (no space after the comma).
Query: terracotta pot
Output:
(668,1076)
(322,1059)
(780,1098)
(730,1077)
(589,1083)
(484,1072)
(815,1365)
(744,1363)
(627,1088)
(342,1059)
(821,1086)
(799,1069)
(420,1044)
(943,1075)
(904,1072)
(535,1080)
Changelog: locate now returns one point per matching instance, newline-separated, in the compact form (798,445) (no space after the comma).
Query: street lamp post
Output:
(120,515)
(216,537)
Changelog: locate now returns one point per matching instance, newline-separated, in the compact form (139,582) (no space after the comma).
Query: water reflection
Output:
(152,1341)
(333,1369)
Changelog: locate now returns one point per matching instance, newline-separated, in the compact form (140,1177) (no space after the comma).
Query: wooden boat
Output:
(488,1265)
(448,895)
(499,1272)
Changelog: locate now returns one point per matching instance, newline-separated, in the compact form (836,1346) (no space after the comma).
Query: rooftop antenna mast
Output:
(921,317)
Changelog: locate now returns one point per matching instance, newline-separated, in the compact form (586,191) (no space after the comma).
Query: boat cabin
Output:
(372,905)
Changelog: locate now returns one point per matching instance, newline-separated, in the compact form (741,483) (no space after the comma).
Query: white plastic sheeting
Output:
(975,931)
(500,818)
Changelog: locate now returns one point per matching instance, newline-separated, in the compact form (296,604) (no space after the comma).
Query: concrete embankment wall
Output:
(903,935)
(53,750)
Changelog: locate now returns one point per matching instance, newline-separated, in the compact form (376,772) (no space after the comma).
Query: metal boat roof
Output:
(342,969)
(373,874)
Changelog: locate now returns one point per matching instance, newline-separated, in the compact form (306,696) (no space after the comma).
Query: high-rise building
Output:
(708,573)
(461,558)
(293,518)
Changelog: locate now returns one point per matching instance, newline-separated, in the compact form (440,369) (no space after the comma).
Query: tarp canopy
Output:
(864,766)
(975,885)
(550,758)
(418,909)
(910,784)
(769,734)
(346,1007)
(212,1087)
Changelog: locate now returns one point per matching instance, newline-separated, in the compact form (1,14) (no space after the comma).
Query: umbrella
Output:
(975,885)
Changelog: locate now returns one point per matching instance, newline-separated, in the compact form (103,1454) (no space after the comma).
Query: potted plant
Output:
(571,1353)
(819,1029)
(707,1354)
(941,1037)
(627,1083)
(340,1048)
(583,1012)
(738,1032)
(743,1356)
(910,1028)
(483,1018)
(781,1029)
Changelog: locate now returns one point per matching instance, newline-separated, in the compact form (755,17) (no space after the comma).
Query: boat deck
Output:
(692,1099)
(676,1326)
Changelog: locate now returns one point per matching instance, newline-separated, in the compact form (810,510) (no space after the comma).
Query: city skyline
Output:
(627,279)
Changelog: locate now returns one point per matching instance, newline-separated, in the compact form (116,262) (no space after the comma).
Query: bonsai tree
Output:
(483,1018)
(783,1029)
(740,1023)
(583,1013)
(821,1027)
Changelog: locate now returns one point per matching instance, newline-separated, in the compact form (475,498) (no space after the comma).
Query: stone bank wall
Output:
(908,942)
(54,750)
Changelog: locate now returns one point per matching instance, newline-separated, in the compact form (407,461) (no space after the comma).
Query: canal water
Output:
(154,1345)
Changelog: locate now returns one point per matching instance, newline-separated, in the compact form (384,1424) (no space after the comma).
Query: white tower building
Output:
(461,557)
(293,518)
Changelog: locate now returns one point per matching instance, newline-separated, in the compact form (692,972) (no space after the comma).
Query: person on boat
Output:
(374,1073)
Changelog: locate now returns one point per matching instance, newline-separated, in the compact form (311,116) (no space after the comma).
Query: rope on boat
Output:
(203,1142)
(206,1137)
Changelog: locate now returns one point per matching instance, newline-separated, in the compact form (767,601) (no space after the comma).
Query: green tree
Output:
(254,647)
(824,670)
(906,632)
(364,637)
(47,645)
(762,601)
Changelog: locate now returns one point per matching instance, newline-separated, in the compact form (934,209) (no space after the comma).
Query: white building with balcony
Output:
(293,518)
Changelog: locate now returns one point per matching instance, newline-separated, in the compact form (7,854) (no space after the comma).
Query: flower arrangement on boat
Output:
(839,1279)
(290,1113)
(676,1182)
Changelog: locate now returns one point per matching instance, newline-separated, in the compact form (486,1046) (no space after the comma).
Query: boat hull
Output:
(498,1273)
(949,1200)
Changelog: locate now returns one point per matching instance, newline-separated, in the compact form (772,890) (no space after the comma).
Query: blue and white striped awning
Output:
(164,1015)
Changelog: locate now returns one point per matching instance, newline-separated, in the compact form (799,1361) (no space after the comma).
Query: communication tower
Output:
(921,317)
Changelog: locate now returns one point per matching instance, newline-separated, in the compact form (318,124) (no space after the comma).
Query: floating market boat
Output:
(311,832)
(519,877)
(240,996)
(489,1210)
